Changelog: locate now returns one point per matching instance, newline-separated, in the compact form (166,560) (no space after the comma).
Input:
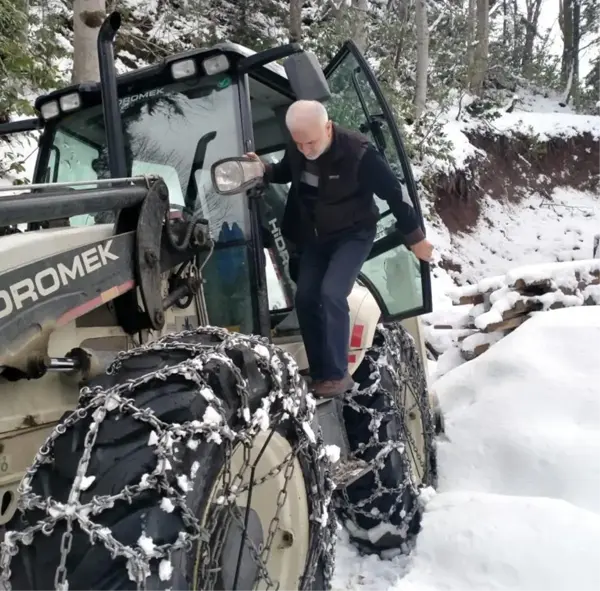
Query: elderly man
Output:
(331,218)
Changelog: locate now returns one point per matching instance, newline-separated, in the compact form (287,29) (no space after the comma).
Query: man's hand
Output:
(423,250)
(253,156)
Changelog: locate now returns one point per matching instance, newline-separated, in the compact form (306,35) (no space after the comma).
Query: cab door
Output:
(399,281)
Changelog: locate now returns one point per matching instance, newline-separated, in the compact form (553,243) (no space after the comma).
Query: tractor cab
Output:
(178,118)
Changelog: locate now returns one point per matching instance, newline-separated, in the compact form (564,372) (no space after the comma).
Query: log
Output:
(477,298)
(505,324)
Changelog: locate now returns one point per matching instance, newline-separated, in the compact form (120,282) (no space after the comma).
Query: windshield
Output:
(177,132)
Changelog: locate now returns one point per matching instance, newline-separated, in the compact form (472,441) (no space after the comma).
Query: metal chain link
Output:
(395,349)
(286,400)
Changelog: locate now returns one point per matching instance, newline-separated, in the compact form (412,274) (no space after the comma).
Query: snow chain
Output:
(396,351)
(287,396)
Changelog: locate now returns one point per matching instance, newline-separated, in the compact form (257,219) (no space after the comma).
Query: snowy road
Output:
(518,506)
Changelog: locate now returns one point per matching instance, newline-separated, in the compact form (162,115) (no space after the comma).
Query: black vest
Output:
(342,204)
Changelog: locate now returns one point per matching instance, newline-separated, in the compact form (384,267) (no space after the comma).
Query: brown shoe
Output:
(332,388)
(310,381)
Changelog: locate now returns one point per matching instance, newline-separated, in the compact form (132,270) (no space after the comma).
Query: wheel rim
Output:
(266,476)
(415,434)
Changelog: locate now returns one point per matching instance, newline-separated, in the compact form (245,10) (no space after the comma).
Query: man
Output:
(331,218)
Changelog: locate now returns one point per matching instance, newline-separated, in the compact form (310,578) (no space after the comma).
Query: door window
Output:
(401,281)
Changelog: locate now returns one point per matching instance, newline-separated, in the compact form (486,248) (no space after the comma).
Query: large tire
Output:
(387,418)
(136,471)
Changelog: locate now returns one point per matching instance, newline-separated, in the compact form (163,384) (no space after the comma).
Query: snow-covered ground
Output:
(518,505)
(537,230)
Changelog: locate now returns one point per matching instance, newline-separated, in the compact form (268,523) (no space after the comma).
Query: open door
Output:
(398,280)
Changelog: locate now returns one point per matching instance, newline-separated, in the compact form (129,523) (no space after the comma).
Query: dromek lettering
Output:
(50,280)
(127,101)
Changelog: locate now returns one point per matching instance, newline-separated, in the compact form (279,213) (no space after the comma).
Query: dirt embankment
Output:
(513,168)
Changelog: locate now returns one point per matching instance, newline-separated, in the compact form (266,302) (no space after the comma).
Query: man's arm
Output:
(375,175)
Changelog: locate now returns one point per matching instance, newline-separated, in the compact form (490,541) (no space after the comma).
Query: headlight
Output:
(216,64)
(232,175)
(70,102)
(183,69)
(49,110)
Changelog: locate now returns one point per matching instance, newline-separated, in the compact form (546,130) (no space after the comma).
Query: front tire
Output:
(390,424)
(142,485)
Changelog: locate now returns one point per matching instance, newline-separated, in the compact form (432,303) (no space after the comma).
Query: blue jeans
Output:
(327,271)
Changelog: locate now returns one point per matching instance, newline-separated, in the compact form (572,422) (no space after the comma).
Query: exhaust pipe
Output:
(113,125)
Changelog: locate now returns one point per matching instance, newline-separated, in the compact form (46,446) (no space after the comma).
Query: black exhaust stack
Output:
(117,163)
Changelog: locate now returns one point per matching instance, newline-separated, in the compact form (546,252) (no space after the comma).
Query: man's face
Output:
(312,140)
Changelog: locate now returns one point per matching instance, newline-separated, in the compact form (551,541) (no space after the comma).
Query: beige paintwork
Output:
(30,408)
(290,546)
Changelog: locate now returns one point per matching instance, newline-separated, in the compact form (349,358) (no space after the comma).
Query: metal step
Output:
(345,473)
(330,418)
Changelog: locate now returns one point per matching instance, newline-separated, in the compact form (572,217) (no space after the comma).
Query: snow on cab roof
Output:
(246,52)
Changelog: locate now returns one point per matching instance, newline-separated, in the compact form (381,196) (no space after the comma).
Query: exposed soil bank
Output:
(512,168)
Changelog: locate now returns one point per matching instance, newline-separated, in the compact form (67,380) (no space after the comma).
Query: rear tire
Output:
(390,425)
(139,469)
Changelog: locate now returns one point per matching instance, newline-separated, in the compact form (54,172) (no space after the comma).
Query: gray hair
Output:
(302,113)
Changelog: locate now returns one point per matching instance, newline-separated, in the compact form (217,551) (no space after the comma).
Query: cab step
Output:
(330,418)
(349,471)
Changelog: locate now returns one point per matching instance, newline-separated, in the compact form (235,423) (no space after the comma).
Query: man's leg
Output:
(344,265)
(311,270)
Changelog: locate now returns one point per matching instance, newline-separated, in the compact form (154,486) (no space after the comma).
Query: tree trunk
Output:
(295,21)
(422,57)
(482,48)
(88,15)
(566,26)
(470,40)
(360,8)
(531,29)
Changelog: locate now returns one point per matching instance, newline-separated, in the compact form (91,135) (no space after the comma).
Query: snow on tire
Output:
(390,424)
(135,487)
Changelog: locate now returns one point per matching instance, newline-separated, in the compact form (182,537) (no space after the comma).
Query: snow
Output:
(536,230)
(245,51)
(518,503)
(546,125)
(518,506)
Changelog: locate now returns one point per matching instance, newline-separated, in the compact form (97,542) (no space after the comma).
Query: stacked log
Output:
(501,304)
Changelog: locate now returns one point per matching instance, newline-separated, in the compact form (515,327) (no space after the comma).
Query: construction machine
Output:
(156,431)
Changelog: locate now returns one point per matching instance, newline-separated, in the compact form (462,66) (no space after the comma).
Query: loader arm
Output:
(50,291)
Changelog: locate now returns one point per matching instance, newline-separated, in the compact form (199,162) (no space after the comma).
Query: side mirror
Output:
(233,175)
(306,77)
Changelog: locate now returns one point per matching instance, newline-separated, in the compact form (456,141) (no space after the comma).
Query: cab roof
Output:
(159,73)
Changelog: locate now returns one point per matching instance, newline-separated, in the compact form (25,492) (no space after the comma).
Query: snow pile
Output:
(478,542)
(518,505)
(524,418)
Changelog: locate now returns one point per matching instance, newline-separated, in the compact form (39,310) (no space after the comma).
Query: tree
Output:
(533,8)
(295,20)
(360,10)
(569,19)
(480,65)
(88,15)
(422,57)
(471,25)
